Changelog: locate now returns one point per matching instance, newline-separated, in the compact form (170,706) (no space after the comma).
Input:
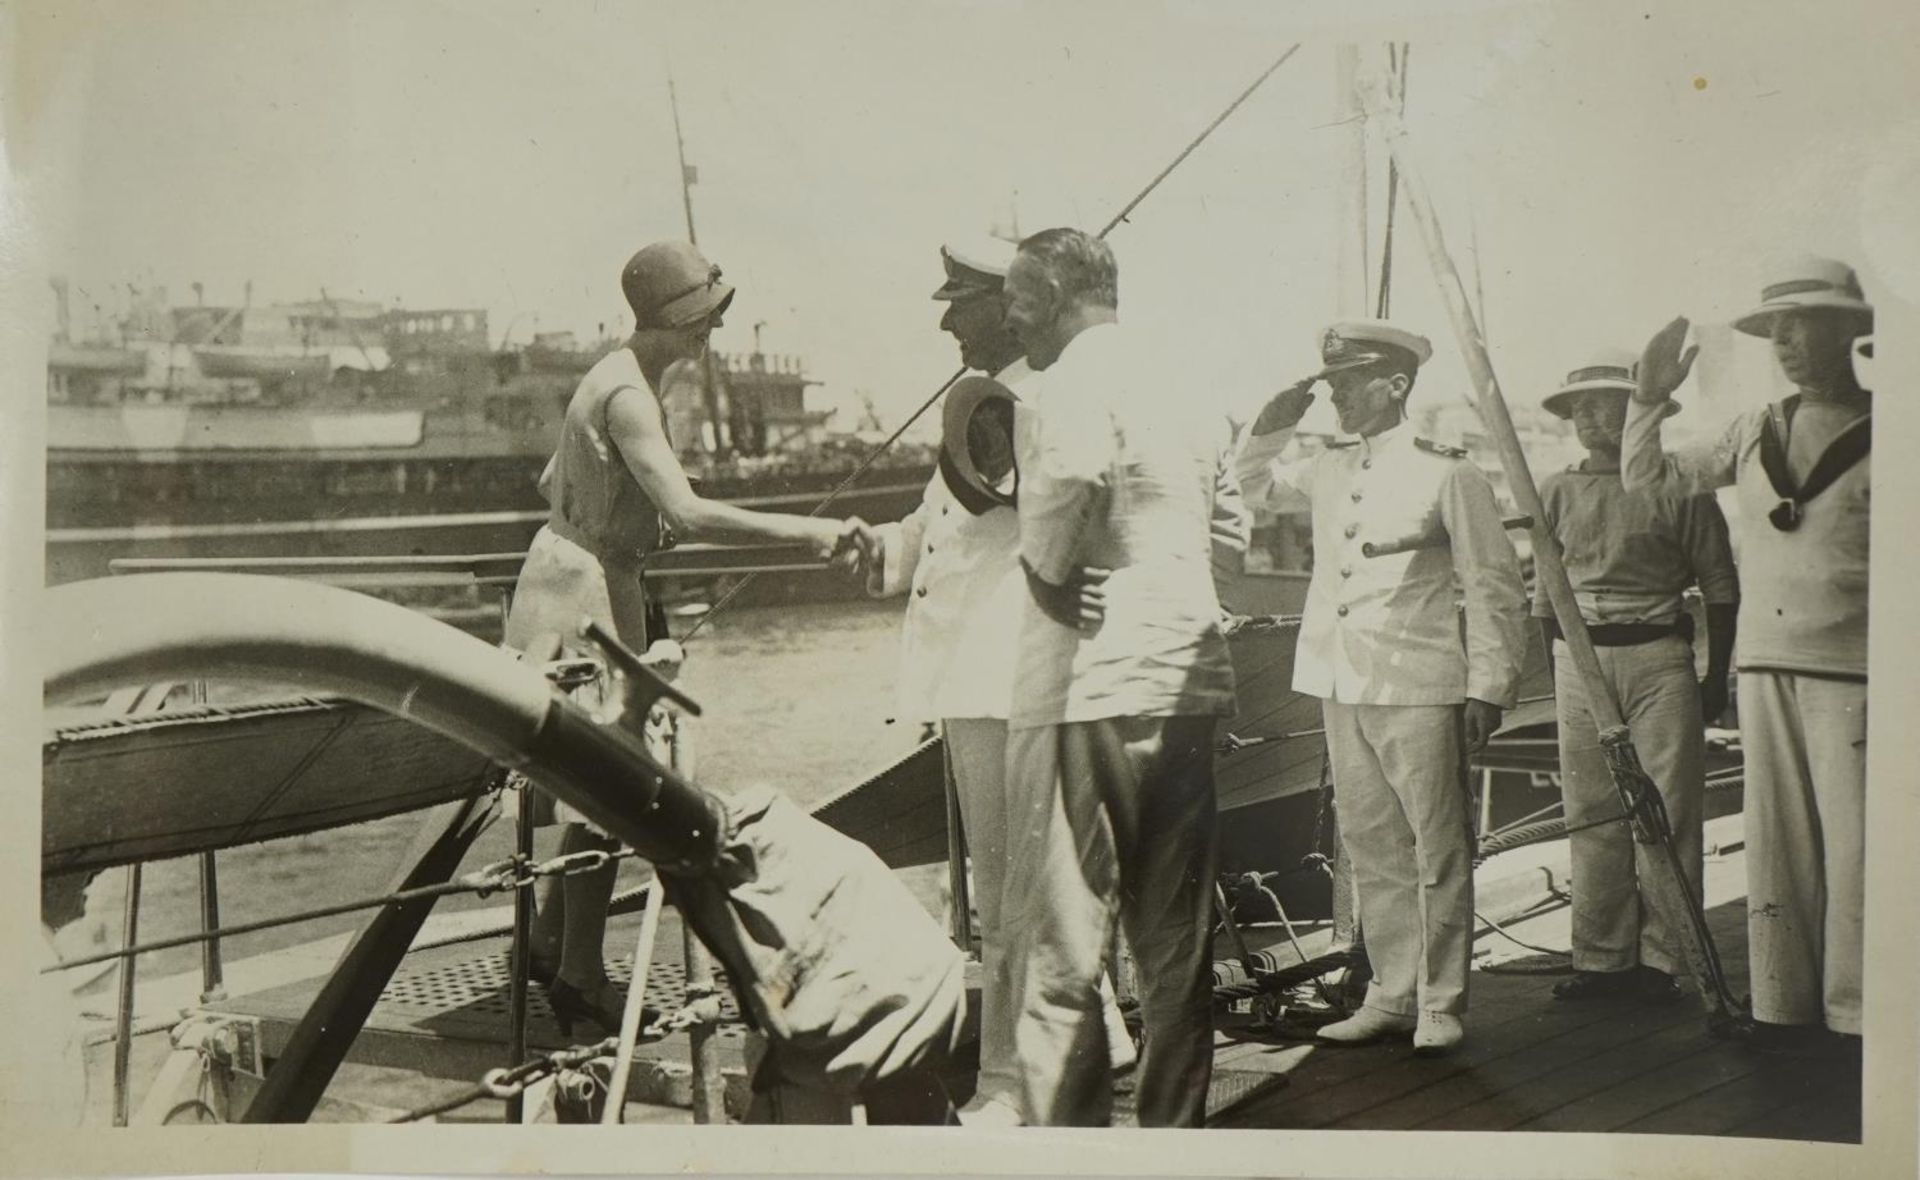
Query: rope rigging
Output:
(1117,220)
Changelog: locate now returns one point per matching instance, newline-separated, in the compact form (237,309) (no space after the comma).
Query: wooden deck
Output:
(1531,1063)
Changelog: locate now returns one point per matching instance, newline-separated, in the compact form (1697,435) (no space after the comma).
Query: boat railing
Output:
(494,570)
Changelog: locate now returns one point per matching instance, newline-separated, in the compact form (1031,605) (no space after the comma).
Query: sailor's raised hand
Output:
(1284,410)
(1664,364)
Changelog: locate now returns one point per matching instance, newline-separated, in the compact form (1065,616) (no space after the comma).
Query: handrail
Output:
(483,569)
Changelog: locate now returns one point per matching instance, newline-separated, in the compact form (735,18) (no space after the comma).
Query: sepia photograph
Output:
(587,569)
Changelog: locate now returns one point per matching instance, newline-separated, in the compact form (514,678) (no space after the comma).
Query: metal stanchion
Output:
(709,1084)
(520,958)
(123,1011)
(213,985)
(960,919)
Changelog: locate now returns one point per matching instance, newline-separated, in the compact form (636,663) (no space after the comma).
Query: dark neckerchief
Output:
(1847,448)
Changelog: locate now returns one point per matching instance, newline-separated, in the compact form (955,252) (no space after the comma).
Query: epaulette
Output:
(1441,449)
(1341,444)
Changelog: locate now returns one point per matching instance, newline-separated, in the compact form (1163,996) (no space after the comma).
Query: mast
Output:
(709,390)
(1350,232)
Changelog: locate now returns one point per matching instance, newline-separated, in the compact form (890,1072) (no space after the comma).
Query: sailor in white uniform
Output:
(1801,475)
(1381,645)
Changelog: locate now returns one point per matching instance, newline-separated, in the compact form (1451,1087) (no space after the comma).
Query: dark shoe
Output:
(1790,1040)
(542,971)
(1596,985)
(1657,987)
(569,1004)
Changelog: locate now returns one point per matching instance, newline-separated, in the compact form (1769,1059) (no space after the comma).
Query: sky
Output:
(1606,167)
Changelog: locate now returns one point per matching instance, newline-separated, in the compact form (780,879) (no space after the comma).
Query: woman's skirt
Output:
(560,585)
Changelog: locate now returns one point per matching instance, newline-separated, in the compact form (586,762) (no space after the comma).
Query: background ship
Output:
(340,428)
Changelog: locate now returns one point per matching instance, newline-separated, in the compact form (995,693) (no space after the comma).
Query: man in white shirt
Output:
(957,559)
(1381,646)
(1801,475)
(1118,705)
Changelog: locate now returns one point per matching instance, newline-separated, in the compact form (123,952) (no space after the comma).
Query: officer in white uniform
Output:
(957,559)
(1381,646)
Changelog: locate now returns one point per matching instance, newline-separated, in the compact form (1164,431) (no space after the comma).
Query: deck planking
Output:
(1533,1063)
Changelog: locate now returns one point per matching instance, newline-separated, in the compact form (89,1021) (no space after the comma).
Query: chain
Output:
(504,1083)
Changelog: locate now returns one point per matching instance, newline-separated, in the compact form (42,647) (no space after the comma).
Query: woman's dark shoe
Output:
(542,971)
(569,1004)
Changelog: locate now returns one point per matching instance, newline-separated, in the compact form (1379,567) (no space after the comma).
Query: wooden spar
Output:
(1493,411)
(630,1015)
(1350,233)
(1667,891)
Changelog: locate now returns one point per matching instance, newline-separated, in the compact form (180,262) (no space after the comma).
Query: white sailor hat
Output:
(1605,368)
(959,465)
(975,266)
(1806,282)
(1352,343)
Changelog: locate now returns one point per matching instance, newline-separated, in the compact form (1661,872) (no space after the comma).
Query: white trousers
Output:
(977,752)
(1806,749)
(1398,783)
(1614,927)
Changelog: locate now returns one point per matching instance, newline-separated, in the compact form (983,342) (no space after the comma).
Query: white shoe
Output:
(1437,1033)
(1366,1025)
(989,1112)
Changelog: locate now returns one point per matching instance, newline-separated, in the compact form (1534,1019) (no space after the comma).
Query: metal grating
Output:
(479,986)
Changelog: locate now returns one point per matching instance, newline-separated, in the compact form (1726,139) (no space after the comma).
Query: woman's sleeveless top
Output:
(594,500)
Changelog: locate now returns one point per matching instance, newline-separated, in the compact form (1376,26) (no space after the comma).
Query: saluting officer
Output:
(1629,557)
(1381,646)
(1801,475)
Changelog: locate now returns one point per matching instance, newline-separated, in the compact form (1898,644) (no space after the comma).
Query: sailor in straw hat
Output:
(1629,557)
(617,493)
(1801,476)
(1381,646)
(956,557)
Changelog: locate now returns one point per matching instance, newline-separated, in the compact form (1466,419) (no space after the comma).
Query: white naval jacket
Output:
(966,592)
(1386,630)
(961,573)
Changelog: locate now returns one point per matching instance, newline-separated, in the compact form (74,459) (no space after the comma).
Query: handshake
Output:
(851,546)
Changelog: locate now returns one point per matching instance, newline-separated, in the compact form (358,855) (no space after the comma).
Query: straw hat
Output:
(1606,368)
(1806,282)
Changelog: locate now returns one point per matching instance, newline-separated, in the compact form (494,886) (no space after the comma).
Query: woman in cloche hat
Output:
(617,494)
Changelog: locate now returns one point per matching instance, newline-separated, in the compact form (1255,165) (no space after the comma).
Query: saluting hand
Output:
(1663,366)
(1483,719)
(1285,409)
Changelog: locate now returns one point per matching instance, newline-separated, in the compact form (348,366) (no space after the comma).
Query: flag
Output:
(689,174)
